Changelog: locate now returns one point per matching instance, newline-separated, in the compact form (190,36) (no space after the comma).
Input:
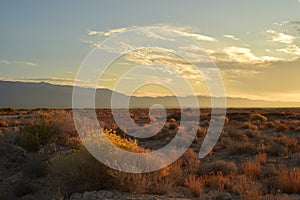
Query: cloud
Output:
(147,31)
(107,33)
(20,63)
(291,49)
(91,33)
(280,37)
(26,63)
(199,37)
(231,37)
(244,55)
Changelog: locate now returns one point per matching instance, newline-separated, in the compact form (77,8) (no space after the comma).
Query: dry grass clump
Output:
(289,180)
(261,158)
(49,127)
(290,143)
(252,133)
(269,125)
(219,166)
(246,187)
(190,162)
(218,181)
(243,149)
(237,135)
(258,117)
(281,128)
(248,125)
(195,185)
(251,169)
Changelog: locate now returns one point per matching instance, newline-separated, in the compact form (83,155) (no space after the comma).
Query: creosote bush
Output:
(218,166)
(48,127)
(281,128)
(258,117)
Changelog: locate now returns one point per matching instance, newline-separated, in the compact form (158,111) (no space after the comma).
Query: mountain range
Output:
(45,95)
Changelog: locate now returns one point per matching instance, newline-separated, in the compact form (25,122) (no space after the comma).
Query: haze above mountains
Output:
(44,95)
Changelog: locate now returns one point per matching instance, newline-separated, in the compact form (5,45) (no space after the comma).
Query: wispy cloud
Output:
(231,37)
(280,37)
(245,55)
(291,49)
(19,63)
(26,63)
(183,30)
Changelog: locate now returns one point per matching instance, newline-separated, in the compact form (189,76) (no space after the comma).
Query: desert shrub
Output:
(172,120)
(3,123)
(242,149)
(251,169)
(190,162)
(258,117)
(218,166)
(252,133)
(277,149)
(289,180)
(23,187)
(270,170)
(195,185)
(246,187)
(218,181)
(54,126)
(80,171)
(159,182)
(261,158)
(32,136)
(281,128)
(35,168)
(172,125)
(290,143)
(8,110)
(248,125)
(225,119)
(237,135)
(226,142)
(270,125)
(201,131)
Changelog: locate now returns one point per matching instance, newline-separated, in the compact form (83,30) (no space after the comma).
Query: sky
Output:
(255,44)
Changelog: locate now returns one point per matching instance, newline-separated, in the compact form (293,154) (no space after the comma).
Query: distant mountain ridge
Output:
(46,95)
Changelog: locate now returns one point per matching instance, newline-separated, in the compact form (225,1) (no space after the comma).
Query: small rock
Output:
(76,196)
(90,195)
(295,196)
(102,194)
(224,196)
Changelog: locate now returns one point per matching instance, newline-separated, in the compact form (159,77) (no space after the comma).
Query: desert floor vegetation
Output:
(256,157)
